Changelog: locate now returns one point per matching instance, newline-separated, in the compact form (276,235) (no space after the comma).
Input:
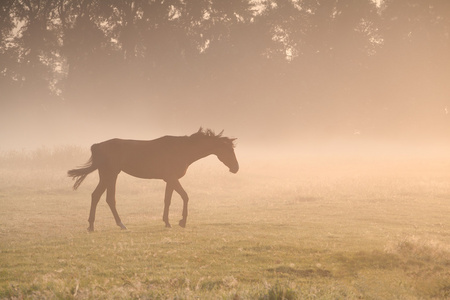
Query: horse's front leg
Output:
(99,190)
(111,200)
(179,189)
(167,200)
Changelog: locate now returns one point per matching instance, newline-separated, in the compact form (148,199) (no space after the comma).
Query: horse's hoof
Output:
(168,225)
(182,223)
(90,229)
(123,227)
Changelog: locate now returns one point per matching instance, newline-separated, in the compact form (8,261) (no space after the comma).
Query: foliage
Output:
(295,58)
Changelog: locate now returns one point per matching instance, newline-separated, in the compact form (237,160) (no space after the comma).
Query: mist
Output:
(341,110)
(281,76)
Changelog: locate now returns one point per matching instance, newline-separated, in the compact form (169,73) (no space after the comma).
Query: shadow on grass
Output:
(301,273)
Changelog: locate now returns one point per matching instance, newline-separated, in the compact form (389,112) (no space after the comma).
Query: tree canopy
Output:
(330,66)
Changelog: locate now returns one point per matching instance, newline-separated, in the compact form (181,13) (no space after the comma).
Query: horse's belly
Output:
(152,169)
(142,169)
(146,174)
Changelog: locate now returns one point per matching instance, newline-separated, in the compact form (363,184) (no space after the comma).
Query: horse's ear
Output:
(233,144)
(200,130)
(220,134)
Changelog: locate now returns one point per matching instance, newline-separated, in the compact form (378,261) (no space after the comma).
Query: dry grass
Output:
(329,228)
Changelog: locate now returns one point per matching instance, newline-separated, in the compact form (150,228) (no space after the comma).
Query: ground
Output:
(313,227)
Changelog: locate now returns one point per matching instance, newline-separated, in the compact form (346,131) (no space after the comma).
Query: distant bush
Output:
(43,158)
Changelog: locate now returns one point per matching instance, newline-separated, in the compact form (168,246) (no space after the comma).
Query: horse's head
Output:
(222,147)
(225,153)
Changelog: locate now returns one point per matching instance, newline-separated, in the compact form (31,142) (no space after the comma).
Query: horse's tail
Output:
(80,174)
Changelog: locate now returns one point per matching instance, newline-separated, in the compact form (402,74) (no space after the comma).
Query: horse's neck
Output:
(198,151)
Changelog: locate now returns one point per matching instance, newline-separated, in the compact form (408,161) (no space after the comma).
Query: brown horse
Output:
(166,158)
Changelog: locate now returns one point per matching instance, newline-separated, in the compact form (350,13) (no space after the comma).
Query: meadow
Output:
(313,227)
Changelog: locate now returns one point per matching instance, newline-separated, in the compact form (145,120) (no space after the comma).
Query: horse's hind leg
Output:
(167,200)
(98,192)
(111,199)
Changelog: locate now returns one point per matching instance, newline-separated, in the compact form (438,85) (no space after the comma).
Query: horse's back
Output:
(140,158)
(116,145)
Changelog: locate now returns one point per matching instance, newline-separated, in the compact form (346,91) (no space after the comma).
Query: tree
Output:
(349,60)
(31,52)
(415,62)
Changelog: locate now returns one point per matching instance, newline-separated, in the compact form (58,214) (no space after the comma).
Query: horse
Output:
(166,158)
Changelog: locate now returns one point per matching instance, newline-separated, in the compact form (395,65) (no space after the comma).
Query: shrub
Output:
(279,292)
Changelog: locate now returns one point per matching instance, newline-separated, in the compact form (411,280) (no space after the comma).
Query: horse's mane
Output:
(208,133)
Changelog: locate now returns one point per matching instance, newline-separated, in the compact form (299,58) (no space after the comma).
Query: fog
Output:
(341,110)
(287,78)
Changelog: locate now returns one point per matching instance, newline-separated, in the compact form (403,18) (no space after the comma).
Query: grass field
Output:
(322,228)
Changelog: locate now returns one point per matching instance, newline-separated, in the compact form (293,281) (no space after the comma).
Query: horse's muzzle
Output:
(234,170)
